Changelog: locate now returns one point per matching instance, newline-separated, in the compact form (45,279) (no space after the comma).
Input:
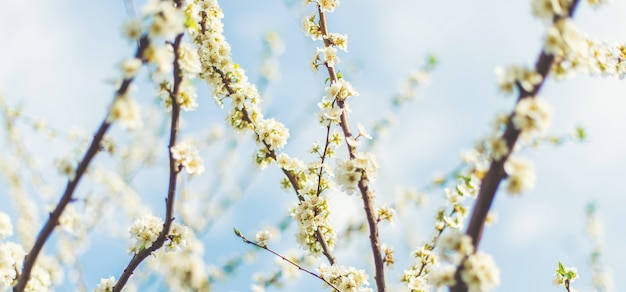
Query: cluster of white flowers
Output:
(163,57)
(272,133)
(347,279)
(498,147)
(443,276)
(548,9)
(11,260)
(189,60)
(386,213)
(455,246)
(72,221)
(184,270)
(521,175)
(466,187)
(262,237)
(177,237)
(340,90)
(105,285)
(325,5)
(480,273)
(312,216)
(325,56)
(564,40)
(573,50)
(417,276)
(532,115)
(125,111)
(338,40)
(187,155)
(130,67)
(67,166)
(144,232)
(40,279)
(311,28)
(167,20)
(350,172)
(387,251)
(509,77)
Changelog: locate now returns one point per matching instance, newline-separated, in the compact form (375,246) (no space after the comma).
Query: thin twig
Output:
(67,197)
(173,177)
(240,235)
(366,194)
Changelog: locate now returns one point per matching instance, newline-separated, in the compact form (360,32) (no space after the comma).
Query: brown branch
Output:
(174,170)
(366,194)
(240,235)
(496,173)
(67,197)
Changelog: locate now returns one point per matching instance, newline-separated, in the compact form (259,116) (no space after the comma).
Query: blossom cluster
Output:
(573,50)
(186,155)
(417,277)
(350,172)
(480,273)
(521,176)
(427,271)
(144,232)
(105,285)
(347,279)
(185,269)
(312,217)
(11,260)
(228,80)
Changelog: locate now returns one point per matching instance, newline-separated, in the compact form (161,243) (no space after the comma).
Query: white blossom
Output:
(144,232)
(480,273)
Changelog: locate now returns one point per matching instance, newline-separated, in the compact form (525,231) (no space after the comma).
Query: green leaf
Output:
(561,269)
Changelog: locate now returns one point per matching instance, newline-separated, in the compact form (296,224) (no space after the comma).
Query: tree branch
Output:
(67,197)
(366,194)
(173,177)
(496,172)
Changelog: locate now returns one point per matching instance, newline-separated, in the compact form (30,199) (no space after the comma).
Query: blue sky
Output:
(58,57)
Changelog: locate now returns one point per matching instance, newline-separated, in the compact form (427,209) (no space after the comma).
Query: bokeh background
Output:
(58,57)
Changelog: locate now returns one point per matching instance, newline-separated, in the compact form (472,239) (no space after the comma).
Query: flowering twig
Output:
(174,169)
(363,186)
(291,175)
(264,246)
(67,197)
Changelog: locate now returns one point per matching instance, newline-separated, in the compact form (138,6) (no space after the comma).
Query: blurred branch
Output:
(67,197)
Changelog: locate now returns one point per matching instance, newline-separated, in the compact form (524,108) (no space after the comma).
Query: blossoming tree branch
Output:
(180,46)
